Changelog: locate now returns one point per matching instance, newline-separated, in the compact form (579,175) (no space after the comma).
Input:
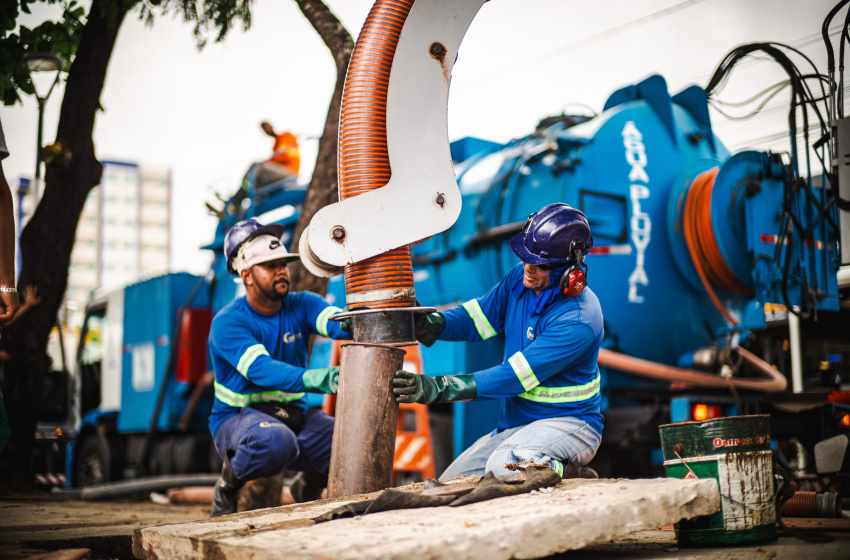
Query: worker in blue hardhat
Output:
(259,347)
(548,382)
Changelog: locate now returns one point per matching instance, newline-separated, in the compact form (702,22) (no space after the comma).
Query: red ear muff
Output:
(572,281)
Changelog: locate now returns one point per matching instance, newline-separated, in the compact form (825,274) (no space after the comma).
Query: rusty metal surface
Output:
(387,327)
(367,416)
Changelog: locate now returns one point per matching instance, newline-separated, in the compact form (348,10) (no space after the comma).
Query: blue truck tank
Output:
(148,331)
(630,170)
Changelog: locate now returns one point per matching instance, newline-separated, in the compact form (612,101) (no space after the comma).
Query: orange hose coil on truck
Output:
(364,163)
(702,244)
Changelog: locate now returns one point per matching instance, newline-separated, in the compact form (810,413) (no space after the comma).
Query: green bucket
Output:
(736,453)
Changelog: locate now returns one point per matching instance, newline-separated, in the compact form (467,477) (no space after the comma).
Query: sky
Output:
(169,106)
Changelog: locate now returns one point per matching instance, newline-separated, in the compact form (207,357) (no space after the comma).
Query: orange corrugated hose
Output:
(702,244)
(802,504)
(364,163)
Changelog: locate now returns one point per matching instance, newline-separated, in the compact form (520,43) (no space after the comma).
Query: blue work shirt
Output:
(262,358)
(551,347)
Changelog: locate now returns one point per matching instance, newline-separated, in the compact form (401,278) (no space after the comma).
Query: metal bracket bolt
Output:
(338,234)
(440,199)
(438,51)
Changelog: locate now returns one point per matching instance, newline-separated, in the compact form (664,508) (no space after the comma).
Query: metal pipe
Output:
(776,382)
(367,416)
(36,191)
(796,355)
(364,433)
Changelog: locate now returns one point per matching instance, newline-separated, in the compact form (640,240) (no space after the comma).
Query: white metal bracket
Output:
(422,197)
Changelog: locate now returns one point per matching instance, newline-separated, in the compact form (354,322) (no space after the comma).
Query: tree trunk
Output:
(48,238)
(323,185)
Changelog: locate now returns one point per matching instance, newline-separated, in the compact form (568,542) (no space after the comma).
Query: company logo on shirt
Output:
(530,334)
(289,337)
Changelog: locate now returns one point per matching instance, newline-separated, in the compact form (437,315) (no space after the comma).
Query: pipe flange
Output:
(393,346)
(415,310)
(393,326)
(380,295)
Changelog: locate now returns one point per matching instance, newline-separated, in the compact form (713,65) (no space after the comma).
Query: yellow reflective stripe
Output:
(523,371)
(322,319)
(482,325)
(563,394)
(232,398)
(251,354)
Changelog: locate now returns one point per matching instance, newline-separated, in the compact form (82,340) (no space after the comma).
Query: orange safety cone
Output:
(329,404)
(414,450)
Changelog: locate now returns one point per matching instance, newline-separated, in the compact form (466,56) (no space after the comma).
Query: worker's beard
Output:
(275,291)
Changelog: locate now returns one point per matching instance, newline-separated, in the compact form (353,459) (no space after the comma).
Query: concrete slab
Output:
(572,515)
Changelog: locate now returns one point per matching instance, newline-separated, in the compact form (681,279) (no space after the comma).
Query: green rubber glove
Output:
(345,324)
(414,388)
(325,380)
(428,328)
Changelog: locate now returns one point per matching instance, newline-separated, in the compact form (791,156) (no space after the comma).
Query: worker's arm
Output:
(482,318)
(319,313)
(31,299)
(231,339)
(560,346)
(9,302)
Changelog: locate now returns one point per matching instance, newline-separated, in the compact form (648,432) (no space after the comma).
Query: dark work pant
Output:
(259,446)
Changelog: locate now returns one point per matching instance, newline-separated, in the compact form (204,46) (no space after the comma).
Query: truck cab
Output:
(129,341)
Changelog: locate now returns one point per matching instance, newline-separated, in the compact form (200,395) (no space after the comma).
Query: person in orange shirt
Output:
(285,149)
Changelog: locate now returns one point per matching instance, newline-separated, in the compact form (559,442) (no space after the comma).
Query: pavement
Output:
(39,526)
(35,523)
(661,544)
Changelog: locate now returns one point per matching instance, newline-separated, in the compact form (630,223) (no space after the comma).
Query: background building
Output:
(124,231)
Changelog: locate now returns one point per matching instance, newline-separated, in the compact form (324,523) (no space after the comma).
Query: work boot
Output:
(574,470)
(308,486)
(226,492)
(587,472)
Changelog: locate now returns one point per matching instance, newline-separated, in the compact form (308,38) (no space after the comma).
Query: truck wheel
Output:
(94,463)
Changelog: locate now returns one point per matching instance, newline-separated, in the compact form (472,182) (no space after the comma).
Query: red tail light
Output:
(192,353)
(700,412)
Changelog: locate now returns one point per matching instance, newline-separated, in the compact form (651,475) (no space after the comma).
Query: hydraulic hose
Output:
(702,244)
(775,382)
(385,280)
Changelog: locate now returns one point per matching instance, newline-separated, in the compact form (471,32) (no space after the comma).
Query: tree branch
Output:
(323,185)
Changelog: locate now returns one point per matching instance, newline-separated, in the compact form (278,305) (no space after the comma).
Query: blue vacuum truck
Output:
(722,277)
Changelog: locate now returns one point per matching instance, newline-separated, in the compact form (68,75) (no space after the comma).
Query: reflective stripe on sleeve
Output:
(557,466)
(251,354)
(240,400)
(575,393)
(482,325)
(322,319)
(523,371)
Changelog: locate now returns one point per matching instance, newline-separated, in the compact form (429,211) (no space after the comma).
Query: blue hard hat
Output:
(245,231)
(552,235)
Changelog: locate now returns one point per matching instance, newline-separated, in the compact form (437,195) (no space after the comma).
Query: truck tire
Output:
(94,462)
(191,453)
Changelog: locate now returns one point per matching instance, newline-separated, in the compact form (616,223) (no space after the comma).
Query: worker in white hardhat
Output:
(259,347)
